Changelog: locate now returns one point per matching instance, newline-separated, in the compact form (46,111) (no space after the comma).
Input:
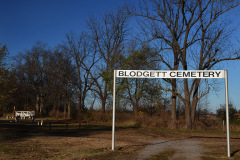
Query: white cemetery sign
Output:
(171,74)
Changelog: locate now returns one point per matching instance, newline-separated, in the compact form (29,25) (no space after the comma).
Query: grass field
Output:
(23,140)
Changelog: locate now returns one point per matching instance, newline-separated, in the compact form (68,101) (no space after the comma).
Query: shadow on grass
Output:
(236,151)
(12,131)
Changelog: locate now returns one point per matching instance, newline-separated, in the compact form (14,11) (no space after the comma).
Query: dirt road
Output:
(185,149)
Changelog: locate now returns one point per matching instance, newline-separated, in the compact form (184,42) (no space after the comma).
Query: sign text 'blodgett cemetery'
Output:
(170,74)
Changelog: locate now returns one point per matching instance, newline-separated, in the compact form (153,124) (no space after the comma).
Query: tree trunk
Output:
(69,110)
(41,105)
(173,107)
(104,99)
(65,110)
(103,105)
(195,101)
(37,104)
(188,121)
(187,103)
(193,113)
(134,104)
(79,114)
(136,97)
(80,111)
(135,109)
(58,104)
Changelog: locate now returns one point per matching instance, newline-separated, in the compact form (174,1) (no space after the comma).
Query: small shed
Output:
(25,114)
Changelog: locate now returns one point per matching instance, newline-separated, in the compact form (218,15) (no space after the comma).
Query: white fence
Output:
(24,114)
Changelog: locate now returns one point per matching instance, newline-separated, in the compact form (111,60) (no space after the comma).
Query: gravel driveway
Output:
(185,149)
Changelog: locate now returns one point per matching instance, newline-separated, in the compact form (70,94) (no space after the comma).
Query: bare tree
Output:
(6,87)
(59,89)
(40,79)
(30,74)
(142,59)
(190,35)
(108,34)
(78,48)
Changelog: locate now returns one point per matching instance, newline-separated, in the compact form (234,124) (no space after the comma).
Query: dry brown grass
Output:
(23,141)
(90,142)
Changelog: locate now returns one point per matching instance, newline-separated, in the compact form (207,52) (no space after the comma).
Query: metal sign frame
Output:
(171,74)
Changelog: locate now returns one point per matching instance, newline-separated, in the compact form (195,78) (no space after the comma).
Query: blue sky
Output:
(24,22)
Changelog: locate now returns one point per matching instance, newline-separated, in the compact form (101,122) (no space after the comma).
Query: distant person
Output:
(32,121)
(16,119)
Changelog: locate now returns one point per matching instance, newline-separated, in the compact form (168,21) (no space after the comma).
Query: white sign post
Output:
(114,110)
(171,74)
(227,113)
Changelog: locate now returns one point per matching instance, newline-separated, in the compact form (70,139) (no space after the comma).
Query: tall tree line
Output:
(6,79)
(173,35)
